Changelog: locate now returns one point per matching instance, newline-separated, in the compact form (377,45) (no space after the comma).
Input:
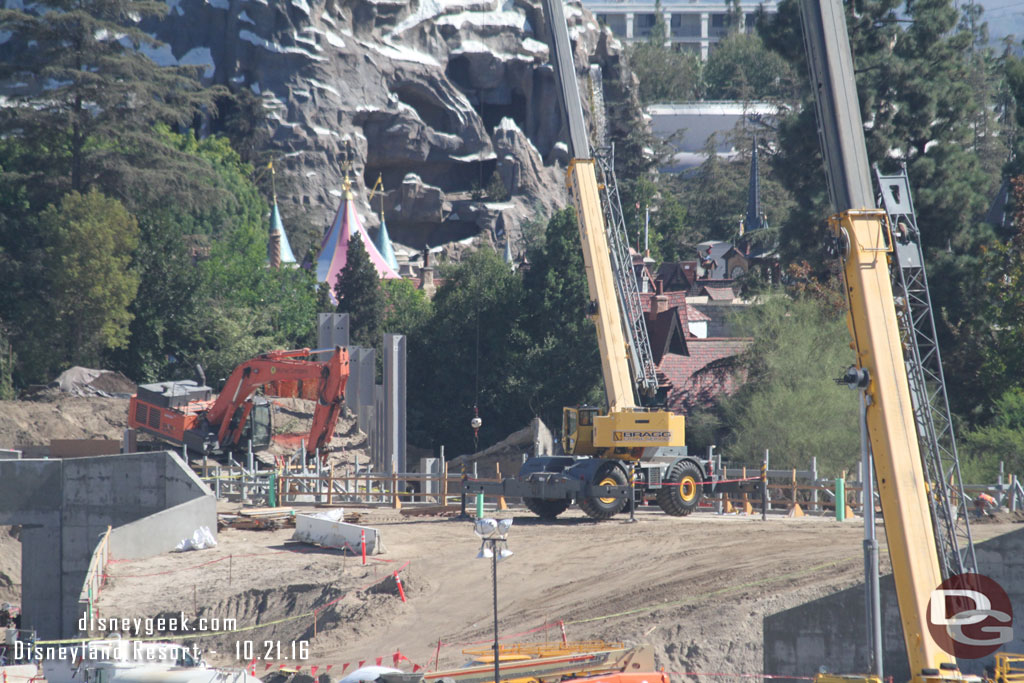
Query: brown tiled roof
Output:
(666,334)
(719,293)
(706,371)
(678,275)
(697,315)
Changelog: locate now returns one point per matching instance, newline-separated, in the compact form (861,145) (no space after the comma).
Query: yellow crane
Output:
(863,240)
(604,449)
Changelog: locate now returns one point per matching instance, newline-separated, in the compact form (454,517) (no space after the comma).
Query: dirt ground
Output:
(696,589)
(27,424)
(34,423)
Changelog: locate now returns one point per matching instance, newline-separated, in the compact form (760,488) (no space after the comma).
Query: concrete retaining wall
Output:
(66,505)
(162,531)
(831,632)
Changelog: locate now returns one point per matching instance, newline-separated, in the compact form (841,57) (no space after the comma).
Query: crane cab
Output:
(578,430)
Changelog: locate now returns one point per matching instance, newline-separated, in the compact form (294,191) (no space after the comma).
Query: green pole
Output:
(479,505)
(272,491)
(840,499)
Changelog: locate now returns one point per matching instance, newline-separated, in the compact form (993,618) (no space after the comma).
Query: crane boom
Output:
(582,181)
(864,243)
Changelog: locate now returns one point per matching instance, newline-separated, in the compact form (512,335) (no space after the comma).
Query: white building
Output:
(692,25)
(688,126)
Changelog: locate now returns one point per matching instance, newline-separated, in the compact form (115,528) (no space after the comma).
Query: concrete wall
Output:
(66,505)
(162,531)
(830,632)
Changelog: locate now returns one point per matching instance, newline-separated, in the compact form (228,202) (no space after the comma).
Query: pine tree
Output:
(91,95)
(928,93)
(562,341)
(359,294)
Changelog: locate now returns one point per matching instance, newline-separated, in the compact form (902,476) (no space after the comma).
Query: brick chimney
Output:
(659,304)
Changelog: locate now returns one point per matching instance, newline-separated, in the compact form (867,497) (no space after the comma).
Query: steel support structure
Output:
(861,238)
(950,515)
(645,372)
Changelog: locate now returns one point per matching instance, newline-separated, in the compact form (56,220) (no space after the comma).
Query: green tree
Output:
(220,205)
(717,192)
(665,75)
(7,392)
(496,190)
(928,94)
(1002,439)
(561,364)
(789,402)
(469,355)
(406,309)
(92,285)
(359,294)
(742,68)
(91,94)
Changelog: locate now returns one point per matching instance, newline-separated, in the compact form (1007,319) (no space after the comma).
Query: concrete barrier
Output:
(327,529)
(831,631)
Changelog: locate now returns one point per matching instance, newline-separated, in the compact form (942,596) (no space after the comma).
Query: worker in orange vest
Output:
(985,504)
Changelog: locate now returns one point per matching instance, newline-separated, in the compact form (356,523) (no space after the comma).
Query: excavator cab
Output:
(257,427)
(260,424)
(578,430)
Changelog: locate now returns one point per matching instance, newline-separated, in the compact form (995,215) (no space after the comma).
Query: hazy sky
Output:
(1004,17)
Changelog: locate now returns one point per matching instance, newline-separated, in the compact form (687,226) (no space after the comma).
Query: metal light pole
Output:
(494,546)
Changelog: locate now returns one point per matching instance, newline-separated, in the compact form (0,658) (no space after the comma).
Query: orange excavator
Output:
(185,414)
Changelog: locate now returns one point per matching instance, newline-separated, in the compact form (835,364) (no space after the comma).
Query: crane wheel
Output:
(546,508)
(609,474)
(683,496)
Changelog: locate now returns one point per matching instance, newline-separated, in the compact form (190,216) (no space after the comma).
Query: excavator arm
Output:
(282,366)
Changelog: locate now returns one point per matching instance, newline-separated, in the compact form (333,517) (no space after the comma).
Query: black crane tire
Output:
(546,508)
(605,508)
(683,496)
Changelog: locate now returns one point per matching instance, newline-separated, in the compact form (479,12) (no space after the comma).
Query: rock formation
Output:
(434,95)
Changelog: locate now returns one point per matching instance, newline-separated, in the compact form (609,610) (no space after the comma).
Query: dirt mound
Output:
(999,517)
(33,423)
(292,420)
(83,382)
(79,381)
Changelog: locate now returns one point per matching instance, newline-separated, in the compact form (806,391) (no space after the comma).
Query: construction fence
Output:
(793,491)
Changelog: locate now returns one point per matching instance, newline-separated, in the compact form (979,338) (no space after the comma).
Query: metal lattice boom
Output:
(927,383)
(645,373)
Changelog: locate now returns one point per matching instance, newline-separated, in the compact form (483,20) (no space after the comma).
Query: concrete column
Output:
(379,457)
(705,20)
(629,25)
(361,380)
(394,402)
(331,330)
(667,18)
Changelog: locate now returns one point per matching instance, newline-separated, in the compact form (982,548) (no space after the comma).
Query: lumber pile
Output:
(258,519)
